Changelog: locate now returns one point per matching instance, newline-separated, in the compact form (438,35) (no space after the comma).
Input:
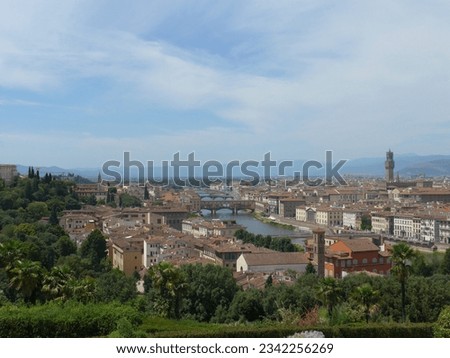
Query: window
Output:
(355,262)
(364,261)
(374,260)
(381,260)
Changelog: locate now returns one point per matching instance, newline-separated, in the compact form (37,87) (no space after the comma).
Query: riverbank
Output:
(294,224)
(273,222)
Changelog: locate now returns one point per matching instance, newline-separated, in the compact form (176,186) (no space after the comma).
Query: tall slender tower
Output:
(389,167)
(319,251)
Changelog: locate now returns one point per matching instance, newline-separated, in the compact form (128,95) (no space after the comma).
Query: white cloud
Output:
(323,74)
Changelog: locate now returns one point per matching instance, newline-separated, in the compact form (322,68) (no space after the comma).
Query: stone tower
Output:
(389,167)
(319,251)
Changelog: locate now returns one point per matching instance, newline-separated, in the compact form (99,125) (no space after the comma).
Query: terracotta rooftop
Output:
(358,244)
(275,258)
(127,245)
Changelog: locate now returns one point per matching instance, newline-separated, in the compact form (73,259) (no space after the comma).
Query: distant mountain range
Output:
(406,165)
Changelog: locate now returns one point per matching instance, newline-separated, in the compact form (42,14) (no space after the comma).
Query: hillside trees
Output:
(210,288)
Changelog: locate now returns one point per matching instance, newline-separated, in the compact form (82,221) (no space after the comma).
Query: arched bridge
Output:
(215,195)
(233,205)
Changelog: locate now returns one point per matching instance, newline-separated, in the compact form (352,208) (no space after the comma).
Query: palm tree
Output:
(329,293)
(11,252)
(366,296)
(55,283)
(170,285)
(402,256)
(81,290)
(26,277)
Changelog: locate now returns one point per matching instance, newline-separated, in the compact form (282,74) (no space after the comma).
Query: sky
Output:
(83,81)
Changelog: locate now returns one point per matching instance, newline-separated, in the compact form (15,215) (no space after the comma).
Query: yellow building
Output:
(126,255)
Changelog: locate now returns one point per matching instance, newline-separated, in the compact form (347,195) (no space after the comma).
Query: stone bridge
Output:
(233,205)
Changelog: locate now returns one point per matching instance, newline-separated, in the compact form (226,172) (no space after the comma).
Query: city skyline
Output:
(80,83)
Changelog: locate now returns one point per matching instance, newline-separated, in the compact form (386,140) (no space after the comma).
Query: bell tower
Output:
(319,251)
(389,167)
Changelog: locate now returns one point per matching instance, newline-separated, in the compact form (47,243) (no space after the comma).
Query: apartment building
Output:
(383,223)
(329,216)
(355,255)
(407,226)
(305,214)
(288,206)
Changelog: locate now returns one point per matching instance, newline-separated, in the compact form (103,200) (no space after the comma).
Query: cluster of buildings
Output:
(417,211)
(142,237)
(351,226)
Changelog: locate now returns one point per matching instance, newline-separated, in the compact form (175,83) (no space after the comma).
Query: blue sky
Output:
(83,81)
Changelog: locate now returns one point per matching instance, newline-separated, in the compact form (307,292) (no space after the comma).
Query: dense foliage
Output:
(283,244)
(46,280)
(71,320)
(442,326)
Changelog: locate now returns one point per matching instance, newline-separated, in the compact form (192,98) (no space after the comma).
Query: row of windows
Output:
(402,222)
(354,262)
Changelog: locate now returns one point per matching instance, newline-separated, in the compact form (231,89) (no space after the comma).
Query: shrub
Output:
(442,326)
(69,320)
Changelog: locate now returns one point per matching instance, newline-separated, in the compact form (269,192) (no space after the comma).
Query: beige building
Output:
(272,262)
(424,195)
(226,253)
(383,223)
(305,213)
(171,216)
(341,195)
(352,218)
(8,172)
(71,221)
(86,190)
(191,200)
(329,216)
(126,255)
(407,226)
(199,227)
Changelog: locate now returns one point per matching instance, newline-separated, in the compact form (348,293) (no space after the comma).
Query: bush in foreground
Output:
(69,320)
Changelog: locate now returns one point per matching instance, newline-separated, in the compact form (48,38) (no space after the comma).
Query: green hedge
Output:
(70,320)
(394,330)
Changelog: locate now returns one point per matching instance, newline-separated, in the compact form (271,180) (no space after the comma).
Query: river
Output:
(253,225)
